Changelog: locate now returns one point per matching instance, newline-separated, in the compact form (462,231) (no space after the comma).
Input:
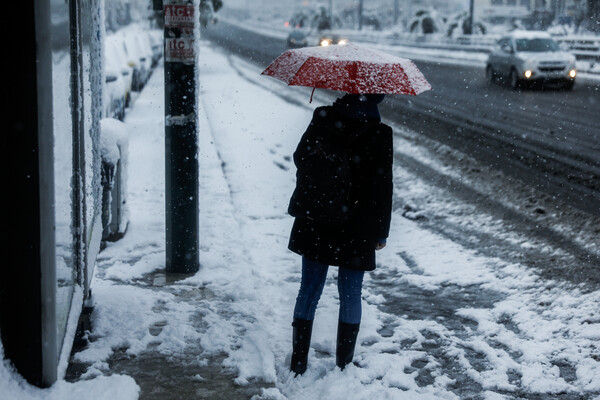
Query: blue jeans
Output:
(311,287)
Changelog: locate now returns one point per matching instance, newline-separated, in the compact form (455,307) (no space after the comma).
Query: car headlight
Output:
(343,41)
(528,73)
(325,42)
(573,73)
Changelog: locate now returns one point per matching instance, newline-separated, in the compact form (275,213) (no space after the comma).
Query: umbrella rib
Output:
(353,74)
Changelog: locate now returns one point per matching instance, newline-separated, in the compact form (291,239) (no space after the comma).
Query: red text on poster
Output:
(179,16)
(179,49)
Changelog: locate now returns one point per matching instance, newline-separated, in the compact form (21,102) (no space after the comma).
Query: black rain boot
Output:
(346,341)
(301,345)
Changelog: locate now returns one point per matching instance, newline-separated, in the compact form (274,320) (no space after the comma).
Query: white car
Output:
(114,95)
(139,57)
(156,41)
(531,57)
(115,59)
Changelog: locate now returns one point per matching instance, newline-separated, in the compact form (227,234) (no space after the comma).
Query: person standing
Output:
(350,245)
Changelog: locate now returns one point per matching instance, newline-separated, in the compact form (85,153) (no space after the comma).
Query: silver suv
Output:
(527,57)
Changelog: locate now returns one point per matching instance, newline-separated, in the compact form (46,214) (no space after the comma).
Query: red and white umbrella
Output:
(348,68)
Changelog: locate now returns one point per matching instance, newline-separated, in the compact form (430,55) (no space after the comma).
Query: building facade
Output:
(51,169)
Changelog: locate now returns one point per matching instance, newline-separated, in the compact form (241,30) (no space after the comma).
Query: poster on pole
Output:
(179,31)
(180,49)
(179,15)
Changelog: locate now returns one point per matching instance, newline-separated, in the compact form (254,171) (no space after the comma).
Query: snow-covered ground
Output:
(514,345)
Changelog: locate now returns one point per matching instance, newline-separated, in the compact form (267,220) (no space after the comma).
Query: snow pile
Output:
(114,151)
(113,140)
(13,386)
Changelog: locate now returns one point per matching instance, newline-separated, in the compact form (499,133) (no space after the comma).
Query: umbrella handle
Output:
(311,94)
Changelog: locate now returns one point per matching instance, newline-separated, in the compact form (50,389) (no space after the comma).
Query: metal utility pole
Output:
(360,14)
(593,15)
(470,26)
(331,13)
(181,138)
(396,11)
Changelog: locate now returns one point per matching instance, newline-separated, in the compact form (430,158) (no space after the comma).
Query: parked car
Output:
(156,41)
(145,46)
(297,38)
(137,57)
(114,95)
(531,57)
(115,59)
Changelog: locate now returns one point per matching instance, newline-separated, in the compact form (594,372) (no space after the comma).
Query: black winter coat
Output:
(351,245)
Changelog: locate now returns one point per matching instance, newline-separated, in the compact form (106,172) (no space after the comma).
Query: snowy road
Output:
(549,139)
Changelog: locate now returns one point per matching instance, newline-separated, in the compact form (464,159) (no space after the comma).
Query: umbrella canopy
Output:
(348,68)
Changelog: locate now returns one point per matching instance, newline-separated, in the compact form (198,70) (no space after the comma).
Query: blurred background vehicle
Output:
(329,38)
(114,95)
(156,43)
(130,56)
(297,38)
(526,57)
(115,58)
(138,57)
(145,45)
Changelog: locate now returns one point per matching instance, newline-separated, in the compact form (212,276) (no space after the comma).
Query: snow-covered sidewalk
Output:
(225,332)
